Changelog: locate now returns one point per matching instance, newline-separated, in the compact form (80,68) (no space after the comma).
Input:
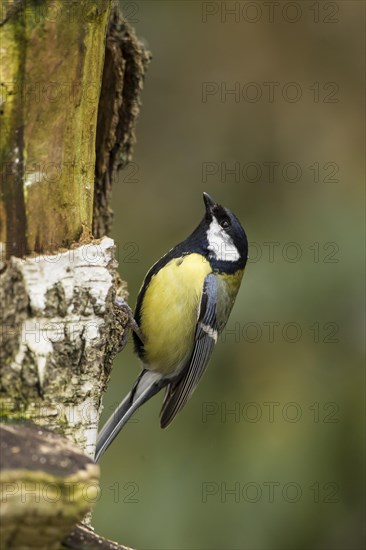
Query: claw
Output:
(131,323)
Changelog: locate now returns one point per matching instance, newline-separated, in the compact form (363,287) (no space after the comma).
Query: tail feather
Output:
(147,385)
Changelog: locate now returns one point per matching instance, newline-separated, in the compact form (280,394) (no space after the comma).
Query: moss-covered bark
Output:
(52,58)
(46,485)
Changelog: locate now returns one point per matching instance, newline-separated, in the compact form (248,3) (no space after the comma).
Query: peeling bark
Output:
(119,105)
(60,333)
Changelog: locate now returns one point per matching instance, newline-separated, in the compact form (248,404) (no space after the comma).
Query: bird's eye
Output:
(225,223)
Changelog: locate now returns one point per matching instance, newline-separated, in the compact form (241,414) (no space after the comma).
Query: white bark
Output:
(60,332)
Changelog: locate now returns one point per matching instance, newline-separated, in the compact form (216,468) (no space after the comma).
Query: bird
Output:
(182,307)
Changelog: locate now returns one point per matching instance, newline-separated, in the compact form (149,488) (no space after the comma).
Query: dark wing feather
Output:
(179,392)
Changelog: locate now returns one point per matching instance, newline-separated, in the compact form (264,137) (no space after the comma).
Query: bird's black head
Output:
(220,237)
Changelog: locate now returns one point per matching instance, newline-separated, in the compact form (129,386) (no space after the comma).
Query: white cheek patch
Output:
(221,244)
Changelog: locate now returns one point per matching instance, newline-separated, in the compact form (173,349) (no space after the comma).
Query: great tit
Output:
(182,307)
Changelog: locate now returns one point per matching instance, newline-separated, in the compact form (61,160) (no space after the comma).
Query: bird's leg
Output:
(131,323)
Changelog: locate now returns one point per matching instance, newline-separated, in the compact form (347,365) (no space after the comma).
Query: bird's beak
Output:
(209,202)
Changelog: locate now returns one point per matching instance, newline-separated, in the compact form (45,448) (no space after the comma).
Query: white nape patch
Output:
(221,244)
(211,332)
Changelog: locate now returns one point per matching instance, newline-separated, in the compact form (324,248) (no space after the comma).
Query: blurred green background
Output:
(284,468)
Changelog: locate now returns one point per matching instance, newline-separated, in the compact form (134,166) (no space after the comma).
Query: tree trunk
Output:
(71,76)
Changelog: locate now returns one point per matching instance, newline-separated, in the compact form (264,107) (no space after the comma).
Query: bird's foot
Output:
(131,323)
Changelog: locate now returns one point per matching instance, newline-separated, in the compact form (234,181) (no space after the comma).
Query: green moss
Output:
(57,64)
(9,414)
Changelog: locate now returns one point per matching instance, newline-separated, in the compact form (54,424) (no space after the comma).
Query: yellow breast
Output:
(169,312)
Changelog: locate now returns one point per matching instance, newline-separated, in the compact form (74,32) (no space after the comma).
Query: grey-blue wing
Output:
(178,392)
